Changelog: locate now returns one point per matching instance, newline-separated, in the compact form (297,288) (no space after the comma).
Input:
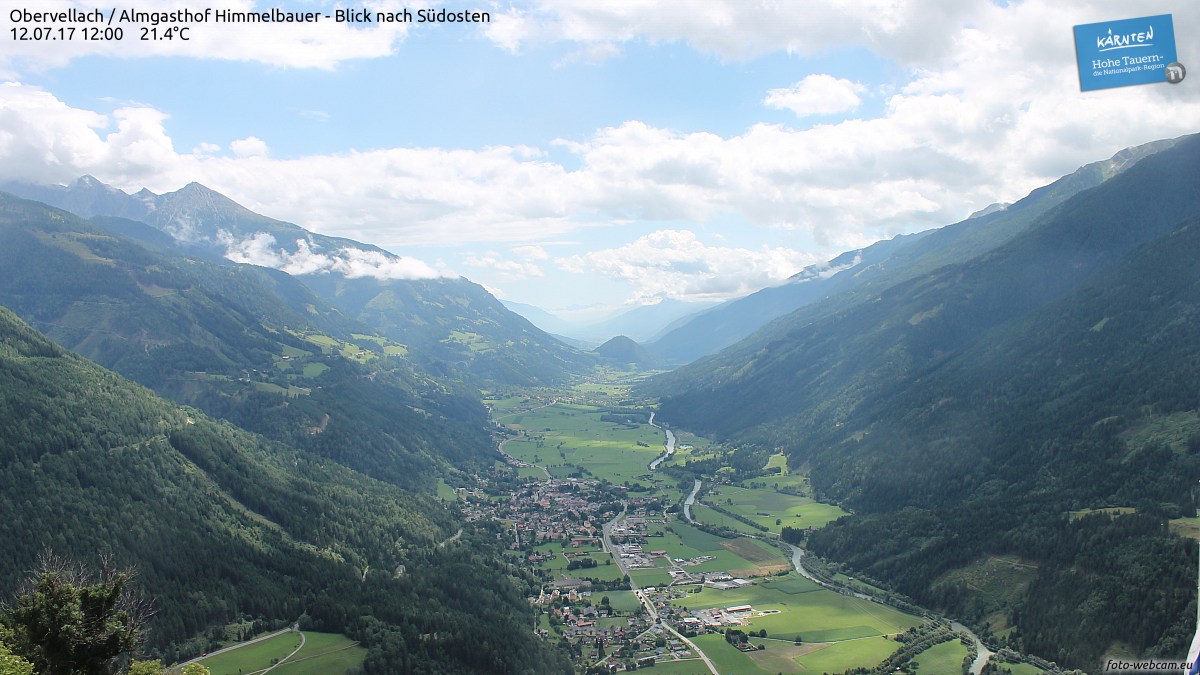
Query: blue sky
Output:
(601,153)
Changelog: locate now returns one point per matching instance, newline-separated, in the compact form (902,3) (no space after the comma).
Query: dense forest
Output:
(222,524)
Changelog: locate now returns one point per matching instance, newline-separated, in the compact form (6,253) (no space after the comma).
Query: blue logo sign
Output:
(1121,53)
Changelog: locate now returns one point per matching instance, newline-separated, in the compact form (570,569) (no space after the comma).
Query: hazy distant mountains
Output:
(641,324)
(883,263)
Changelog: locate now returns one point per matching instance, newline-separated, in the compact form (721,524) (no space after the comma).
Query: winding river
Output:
(668,446)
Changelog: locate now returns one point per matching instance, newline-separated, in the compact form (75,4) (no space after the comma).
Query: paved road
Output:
(454,537)
(606,539)
(653,614)
(230,648)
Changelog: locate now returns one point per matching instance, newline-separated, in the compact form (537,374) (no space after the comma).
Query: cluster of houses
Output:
(567,509)
(571,511)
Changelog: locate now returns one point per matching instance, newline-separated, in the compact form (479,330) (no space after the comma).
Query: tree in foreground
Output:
(68,620)
(11,664)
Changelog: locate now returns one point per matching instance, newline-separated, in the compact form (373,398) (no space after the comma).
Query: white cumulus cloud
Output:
(992,112)
(817,94)
(353,263)
(251,146)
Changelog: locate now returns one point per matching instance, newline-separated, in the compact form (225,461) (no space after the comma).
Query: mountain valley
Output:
(978,439)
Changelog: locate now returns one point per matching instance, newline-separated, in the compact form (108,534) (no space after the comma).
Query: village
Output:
(585,538)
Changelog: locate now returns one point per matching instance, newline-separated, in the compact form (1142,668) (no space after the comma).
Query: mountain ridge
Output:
(886,262)
(434,316)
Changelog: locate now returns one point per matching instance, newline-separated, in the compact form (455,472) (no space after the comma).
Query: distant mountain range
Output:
(883,263)
(641,324)
(445,323)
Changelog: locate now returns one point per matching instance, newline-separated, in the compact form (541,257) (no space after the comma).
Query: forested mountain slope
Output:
(221,523)
(964,413)
(862,275)
(805,372)
(244,343)
(1089,403)
(447,324)
(453,327)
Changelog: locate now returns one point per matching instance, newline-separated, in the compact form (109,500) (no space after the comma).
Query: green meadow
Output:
(724,656)
(566,438)
(322,653)
(620,601)
(687,667)
(840,656)
(946,657)
(764,506)
(802,610)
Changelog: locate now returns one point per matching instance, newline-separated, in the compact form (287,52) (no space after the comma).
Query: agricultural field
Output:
(1186,527)
(839,656)
(795,608)
(765,506)
(709,516)
(620,601)
(605,569)
(1108,511)
(688,667)
(445,492)
(568,438)
(724,656)
(473,341)
(740,557)
(322,653)
(946,657)
(365,348)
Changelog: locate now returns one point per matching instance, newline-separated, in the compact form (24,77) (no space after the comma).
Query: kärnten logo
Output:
(1127,52)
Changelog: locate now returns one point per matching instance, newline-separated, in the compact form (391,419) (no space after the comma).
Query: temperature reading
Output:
(165,33)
